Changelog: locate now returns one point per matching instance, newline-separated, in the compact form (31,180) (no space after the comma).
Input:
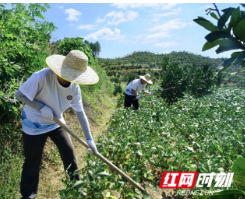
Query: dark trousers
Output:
(129,100)
(33,149)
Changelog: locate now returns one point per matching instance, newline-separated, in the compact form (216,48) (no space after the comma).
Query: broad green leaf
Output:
(226,42)
(233,60)
(78,184)
(208,45)
(9,35)
(239,173)
(239,30)
(214,15)
(206,24)
(103,173)
(235,17)
(237,53)
(225,64)
(211,37)
(223,19)
(226,48)
(190,148)
(242,4)
(224,10)
(220,149)
(76,172)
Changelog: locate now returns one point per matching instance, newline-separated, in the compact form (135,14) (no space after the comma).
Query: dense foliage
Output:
(24,41)
(192,79)
(226,35)
(195,134)
(22,50)
(140,63)
(152,60)
(76,43)
(66,45)
(198,134)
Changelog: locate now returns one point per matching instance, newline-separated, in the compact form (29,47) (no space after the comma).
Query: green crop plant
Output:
(204,134)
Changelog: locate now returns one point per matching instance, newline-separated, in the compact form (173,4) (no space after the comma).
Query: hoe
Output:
(112,166)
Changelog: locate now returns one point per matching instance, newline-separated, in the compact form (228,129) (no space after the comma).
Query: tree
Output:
(24,45)
(95,47)
(228,36)
(68,44)
(24,42)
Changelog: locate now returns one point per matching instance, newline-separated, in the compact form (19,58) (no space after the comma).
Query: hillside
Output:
(149,59)
(139,63)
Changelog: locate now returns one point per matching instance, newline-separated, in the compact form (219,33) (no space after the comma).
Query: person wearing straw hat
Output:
(133,88)
(48,93)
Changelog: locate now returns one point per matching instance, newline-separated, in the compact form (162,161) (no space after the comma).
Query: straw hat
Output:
(147,78)
(73,67)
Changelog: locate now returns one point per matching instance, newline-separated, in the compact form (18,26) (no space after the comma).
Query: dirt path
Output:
(52,168)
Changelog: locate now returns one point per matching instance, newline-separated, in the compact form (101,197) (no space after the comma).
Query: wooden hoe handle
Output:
(112,166)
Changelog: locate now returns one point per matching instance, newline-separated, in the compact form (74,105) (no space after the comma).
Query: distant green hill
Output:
(139,63)
(152,60)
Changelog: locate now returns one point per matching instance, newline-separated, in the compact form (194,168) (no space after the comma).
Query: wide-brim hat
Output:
(73,67)
(147,78)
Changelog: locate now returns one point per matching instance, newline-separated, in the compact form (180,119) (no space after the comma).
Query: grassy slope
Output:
(98,104)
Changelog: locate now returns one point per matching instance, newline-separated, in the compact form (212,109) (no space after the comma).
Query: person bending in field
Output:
(132,90)
(47,94)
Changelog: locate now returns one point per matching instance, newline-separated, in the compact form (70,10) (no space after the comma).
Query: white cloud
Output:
(72,14)
(163,30)
(166,44)
(115,18)
(205,7)
(162,6)
(60,7)
(99,20)
(105,33)
(172,24)
(156,17)
(86,27)
(151,38)
(156,36)
(140,36)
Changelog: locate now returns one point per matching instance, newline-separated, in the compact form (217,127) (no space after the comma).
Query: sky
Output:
(124,28)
